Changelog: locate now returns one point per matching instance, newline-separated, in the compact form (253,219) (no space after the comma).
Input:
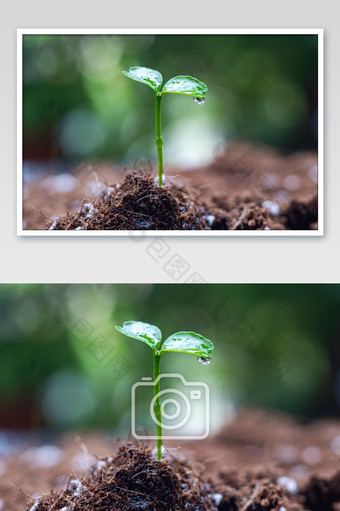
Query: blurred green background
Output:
(63,365)
(77,104)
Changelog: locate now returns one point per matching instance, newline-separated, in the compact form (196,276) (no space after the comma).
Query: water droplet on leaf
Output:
(199,101)
(204,361)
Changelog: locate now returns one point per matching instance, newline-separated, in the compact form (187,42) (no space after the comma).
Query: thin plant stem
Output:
(159,140)
(158,412)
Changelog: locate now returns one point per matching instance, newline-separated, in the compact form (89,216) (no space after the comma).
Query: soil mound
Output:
(138,203)
(132,481)
(301,215)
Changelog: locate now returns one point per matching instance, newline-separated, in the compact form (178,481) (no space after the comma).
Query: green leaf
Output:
(145,75)
(144,332)
(188,342)
(186,85)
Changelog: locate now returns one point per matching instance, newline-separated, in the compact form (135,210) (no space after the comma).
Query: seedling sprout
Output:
(177,85)
(181,342)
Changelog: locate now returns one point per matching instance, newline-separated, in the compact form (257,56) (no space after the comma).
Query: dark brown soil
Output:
(260,461)
(133,481)
(322,493)
(245,188)
(301,215)
(137,204)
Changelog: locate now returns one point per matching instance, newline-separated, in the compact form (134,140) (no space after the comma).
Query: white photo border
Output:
(173,31)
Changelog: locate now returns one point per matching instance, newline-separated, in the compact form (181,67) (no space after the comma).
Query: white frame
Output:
(96,31)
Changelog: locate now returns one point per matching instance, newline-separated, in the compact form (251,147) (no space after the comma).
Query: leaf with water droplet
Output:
(145,75)
(186,85)
(188,342)
(144,332)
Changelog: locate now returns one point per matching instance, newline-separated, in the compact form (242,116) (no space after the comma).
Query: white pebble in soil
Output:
(217,498)
(99,466)
(108,192)
(311,455)
(89,210)
(2,504)
(36,505)
(288,483)
(272,206)
(77,487)
(44,456)
(335,445)
(292,182)
(210,219)
(54,225)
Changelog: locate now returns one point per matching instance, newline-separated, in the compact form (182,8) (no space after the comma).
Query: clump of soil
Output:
(138,203)
(323,493)
(301,215)
(132,481)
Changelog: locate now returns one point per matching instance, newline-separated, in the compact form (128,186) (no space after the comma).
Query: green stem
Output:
(159,140)
(158,413)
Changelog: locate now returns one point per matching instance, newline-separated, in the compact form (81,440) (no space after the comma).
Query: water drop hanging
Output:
(204,361)
(199,101)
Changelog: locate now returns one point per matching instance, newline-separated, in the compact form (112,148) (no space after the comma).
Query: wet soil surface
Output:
(245,188)
(137,204)
(133,480)
(260,461)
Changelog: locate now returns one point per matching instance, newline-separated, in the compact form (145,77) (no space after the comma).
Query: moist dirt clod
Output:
(137,204)
(132,481)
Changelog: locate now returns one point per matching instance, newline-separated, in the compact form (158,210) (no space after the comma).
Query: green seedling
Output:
(180,342)
(177,85)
